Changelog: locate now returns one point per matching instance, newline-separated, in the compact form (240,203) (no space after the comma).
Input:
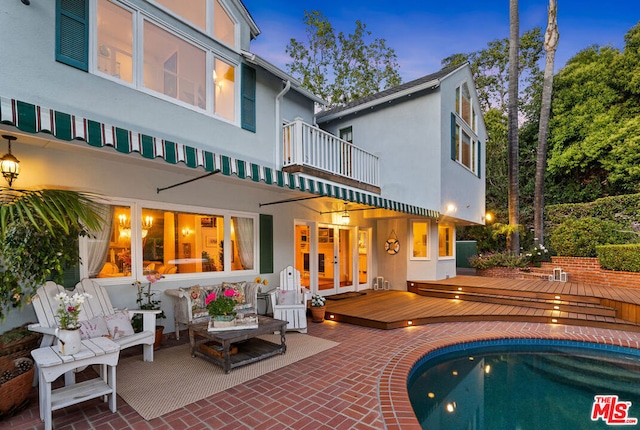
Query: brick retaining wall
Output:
(579,269)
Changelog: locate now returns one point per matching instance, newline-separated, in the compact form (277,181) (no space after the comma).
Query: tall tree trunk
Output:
(551,39)
(513,240)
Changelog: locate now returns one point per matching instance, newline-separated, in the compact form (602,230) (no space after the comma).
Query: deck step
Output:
(519,293)
(532,302)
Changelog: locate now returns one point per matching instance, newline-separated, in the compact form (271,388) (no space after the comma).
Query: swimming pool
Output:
(526,384)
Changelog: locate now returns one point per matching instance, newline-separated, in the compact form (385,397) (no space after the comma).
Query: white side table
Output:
(51,364)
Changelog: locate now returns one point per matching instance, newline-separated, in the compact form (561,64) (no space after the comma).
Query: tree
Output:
(513,240)
(341,68)
(551,39)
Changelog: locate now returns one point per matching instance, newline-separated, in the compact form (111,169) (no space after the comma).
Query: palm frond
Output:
(48,208)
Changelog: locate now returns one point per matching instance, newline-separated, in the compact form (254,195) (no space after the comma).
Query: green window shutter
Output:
(479,159)
(454,144)
(248,99)
(266,243)
(72,33)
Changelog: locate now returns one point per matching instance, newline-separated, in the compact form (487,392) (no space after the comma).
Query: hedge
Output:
(624,258)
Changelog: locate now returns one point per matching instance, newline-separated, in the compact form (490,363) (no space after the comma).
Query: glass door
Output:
(335,260)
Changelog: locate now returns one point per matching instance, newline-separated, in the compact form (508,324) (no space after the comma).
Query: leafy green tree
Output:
(594,145)
(341,68)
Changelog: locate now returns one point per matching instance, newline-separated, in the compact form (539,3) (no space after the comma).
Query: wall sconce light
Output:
(9,165)
(186,231)
(488,217)
(451,208)
(345,216)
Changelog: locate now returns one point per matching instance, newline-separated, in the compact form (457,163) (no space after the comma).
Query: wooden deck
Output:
(473,298)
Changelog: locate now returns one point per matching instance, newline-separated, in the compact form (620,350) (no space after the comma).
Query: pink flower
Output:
(229,293)
(210,298)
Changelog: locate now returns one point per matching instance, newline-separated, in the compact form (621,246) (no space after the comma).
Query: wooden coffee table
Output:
(250,347)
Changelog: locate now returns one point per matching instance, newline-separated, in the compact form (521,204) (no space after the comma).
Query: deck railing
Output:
(306,145)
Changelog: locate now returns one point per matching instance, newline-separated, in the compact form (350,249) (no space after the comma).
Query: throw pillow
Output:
(119,325)
(287,297)
(238,287)
(95,327)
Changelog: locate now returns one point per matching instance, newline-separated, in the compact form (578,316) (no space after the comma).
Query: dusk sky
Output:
(423,32)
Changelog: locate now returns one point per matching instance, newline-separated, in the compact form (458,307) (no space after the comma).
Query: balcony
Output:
(310,150)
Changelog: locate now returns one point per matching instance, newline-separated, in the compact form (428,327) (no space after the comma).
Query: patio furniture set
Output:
(106,331)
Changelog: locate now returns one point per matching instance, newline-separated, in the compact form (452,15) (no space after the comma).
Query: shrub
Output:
(505,259)
(579,237)
(619,257)
(537,255)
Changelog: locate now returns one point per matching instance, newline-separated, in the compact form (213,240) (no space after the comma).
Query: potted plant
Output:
(221,307)
(318,308)
(146,300)
(68,313)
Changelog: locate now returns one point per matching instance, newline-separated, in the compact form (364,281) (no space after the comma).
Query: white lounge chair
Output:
(289,300)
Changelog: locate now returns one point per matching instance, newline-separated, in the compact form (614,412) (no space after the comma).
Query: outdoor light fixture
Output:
(345,215)
(9,165)
(26,2)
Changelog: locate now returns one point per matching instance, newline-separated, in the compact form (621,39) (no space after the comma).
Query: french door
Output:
(326,258)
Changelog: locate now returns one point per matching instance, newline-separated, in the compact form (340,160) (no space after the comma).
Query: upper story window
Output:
(465,147)
(162,62)
(197,12)
(347,134)
(464,106)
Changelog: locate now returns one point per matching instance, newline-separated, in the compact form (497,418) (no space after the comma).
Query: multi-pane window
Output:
(446,240)
(196,12)
(169,65)
(224,83)
(174,67)
(464,130)
(171,242)
(115,41)
(419,243)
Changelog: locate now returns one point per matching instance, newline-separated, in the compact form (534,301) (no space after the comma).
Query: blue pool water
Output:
(521,384)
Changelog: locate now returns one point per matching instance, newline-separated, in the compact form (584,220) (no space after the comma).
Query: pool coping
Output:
(393,395)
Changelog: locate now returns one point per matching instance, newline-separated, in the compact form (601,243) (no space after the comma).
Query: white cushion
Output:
(95,327)
(119,325)
(287,297)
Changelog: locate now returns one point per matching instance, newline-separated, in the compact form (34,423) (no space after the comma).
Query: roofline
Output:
(255,31)
(427,85)
(432,84)
(295,84)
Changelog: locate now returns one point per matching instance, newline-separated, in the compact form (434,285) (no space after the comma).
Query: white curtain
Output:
(243,228)
(98,243)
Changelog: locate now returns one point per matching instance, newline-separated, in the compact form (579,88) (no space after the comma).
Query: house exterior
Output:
(212,164)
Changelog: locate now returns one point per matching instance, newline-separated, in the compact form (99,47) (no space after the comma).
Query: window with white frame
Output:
(169,65)
(464,138)
(139,238)
(222,26)
(446,240)
(419,240)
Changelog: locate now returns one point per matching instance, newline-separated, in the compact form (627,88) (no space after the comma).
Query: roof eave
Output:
(433,84)
(295,84)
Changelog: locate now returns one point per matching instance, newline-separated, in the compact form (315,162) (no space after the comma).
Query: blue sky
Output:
(423,32)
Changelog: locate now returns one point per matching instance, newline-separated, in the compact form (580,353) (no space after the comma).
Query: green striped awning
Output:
(31,118)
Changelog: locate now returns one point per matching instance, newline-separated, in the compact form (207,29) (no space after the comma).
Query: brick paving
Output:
(359,384)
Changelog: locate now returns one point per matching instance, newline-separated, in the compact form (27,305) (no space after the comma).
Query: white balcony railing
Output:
(306,145)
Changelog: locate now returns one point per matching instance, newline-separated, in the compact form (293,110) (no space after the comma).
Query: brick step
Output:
(577,307)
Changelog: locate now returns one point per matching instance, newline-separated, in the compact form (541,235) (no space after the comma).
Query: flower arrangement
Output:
(224,304)
(69,309)
(259,280)
(318,301)
(146,298)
